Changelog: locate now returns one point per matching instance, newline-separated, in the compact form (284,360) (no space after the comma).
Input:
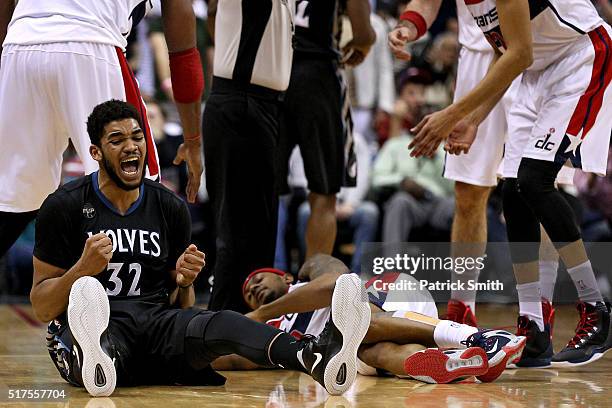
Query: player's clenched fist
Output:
(97,252)
(189,265)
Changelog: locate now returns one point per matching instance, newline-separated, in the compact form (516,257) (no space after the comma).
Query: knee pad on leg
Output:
(536,178)
(521,223)
(536,184)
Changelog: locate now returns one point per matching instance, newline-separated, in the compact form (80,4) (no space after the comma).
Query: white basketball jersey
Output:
(470,36)
(299,324)
(558,26)
(96,21)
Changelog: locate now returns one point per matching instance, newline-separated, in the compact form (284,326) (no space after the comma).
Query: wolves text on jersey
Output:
(124,240)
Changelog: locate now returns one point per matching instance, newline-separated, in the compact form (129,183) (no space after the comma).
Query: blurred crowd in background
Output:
(398,198)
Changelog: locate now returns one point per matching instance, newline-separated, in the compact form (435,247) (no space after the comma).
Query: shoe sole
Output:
(351,316)
(568,364)
(435,367)
(510,352)
(88,316)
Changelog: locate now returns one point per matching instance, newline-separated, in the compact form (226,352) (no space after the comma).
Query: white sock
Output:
(585,282)
(449,334)
(548,278)
(530,302)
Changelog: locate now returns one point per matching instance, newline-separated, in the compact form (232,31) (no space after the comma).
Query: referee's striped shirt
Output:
(253,42)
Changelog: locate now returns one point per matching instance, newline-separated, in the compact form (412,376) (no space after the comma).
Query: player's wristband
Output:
(186,75)
(416,19)
(191,138)
(186,287)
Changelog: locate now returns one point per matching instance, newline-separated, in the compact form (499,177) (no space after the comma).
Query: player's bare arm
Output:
(407,31)
(187,85)
(315,295)
(188,266)
(51,284)
(464,133)
(6,12)
(515,25)
(357,49)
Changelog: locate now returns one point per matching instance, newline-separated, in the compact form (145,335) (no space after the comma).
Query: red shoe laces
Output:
(585,325)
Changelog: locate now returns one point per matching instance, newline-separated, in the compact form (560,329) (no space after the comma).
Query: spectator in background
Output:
(420,196)
(167,139)
(410,108)
(596,193)
(352,210)
(159,49)
(372,85)
(441,63)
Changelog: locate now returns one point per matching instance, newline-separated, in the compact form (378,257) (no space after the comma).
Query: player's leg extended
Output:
(469,239)
(474,174)
(499,346)
(576,129)
(331,359)
(536,180)
(524,235)
(321,227)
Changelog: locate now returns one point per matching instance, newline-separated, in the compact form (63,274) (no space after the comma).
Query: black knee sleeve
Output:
(227,332)
(536,184)
(522,225)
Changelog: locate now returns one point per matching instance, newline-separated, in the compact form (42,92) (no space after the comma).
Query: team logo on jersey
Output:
(545,143)
(89,211)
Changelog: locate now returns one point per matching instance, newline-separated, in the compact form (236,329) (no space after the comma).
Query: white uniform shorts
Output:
(564,112)
(47,91)
(480,166)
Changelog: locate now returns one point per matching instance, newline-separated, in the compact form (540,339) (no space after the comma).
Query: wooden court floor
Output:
(24,364)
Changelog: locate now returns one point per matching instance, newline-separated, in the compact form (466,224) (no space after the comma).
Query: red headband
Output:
(255,272)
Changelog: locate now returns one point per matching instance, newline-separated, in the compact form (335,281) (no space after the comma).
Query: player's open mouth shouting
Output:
(123,151)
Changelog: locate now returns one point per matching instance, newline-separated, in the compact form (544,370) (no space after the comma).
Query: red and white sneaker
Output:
(501,348)
(459,312)
(440,367)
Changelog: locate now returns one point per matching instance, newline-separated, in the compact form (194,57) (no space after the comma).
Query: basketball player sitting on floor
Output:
(114,272)
(395,342)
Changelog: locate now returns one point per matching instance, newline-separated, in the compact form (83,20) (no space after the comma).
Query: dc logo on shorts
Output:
(545,144)
(89,211)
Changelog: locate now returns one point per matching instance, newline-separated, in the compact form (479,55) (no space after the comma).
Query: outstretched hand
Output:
(461,138)
(431,131)
(189,151)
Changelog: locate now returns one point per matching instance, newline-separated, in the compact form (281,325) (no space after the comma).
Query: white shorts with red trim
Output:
(480,166)
(564,112)
(47,91)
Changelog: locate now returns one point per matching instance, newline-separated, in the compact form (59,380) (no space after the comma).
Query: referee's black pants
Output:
(240,132)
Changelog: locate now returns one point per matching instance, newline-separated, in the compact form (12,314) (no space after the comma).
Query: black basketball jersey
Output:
(147,239)
(318,27)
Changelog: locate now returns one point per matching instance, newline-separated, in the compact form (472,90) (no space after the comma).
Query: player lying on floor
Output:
(114,272)
(396,342)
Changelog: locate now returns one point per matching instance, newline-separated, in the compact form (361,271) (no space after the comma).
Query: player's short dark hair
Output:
(108,112)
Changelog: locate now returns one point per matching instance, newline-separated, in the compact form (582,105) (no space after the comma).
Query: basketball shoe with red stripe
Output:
(592,339)
(539,348)
(440,367)
(501,348)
